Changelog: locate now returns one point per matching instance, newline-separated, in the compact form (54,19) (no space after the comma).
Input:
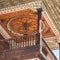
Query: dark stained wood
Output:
(1,37)
(22,53)
(4,45)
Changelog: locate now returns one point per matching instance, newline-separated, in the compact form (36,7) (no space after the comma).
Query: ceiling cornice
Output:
(50,22)
(53,9)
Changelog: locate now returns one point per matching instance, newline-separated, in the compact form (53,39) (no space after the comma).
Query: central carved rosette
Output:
(26,25)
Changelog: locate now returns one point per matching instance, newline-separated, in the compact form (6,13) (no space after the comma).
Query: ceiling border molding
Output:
(4,33)
(36,4)
(50,22)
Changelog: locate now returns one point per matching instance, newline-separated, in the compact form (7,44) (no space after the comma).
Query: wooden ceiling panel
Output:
(23,22)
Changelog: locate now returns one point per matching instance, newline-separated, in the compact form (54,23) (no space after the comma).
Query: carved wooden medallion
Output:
(23,24)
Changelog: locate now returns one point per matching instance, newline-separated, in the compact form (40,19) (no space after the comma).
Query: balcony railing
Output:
(26,47)
(23,41)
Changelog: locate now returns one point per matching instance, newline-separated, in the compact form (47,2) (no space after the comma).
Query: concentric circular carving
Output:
(26,23)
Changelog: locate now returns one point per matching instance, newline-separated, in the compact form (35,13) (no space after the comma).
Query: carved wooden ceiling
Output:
(47,32)
(23,22)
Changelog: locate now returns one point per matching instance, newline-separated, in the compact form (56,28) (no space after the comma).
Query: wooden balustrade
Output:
(22,41)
